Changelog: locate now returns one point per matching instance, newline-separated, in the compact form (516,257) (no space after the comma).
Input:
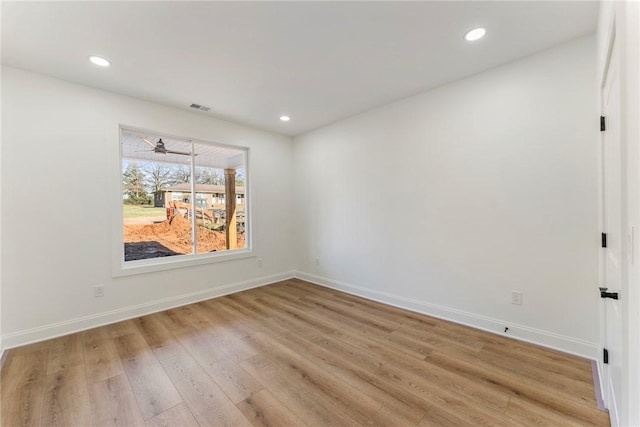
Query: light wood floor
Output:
(293,354)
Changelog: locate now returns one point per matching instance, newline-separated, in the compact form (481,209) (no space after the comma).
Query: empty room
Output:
(378,213)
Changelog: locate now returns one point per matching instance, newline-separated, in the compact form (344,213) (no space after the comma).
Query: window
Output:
(174,194)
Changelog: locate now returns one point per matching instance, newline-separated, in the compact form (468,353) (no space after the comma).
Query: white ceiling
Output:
(254,61)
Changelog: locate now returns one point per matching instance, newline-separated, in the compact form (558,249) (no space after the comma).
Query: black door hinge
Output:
(604,240)
(605,356)
(603,125)
(605,294)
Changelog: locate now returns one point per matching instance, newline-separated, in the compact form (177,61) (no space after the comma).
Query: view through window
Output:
(181,197)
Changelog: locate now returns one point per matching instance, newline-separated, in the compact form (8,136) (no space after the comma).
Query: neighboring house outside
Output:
(207,195)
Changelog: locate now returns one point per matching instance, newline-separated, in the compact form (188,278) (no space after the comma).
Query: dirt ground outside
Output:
(167,238)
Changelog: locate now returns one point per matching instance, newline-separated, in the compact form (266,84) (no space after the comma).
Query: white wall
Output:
(447,201)
(60,176)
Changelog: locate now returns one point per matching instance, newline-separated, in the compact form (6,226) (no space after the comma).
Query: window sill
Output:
(178,261)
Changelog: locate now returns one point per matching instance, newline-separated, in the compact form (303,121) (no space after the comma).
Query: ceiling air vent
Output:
(200,107)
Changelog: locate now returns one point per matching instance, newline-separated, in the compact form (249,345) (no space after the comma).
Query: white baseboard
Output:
(614,415)
(3,354)
(597,384)
(547,339)
(524,333)
(67,327)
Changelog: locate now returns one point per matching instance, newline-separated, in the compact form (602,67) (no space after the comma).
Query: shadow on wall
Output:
(146,250)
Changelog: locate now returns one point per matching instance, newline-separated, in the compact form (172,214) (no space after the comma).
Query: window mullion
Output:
(194,231)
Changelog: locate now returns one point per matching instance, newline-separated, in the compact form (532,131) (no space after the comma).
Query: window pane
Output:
(211,198)
(156,220)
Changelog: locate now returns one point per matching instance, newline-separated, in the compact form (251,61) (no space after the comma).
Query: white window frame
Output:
(121,268)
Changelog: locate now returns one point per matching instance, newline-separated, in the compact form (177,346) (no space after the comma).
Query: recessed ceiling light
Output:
(475,34)
(285,118)
(99,61)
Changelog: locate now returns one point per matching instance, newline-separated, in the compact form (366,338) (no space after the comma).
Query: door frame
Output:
(614,405)
(623,26)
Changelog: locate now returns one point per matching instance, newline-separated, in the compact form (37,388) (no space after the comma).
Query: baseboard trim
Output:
(67,327)
(614,415)
(547,339)
(3,354)
(595,372)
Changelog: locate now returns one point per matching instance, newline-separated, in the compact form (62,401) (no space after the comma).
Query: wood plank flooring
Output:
(293,354)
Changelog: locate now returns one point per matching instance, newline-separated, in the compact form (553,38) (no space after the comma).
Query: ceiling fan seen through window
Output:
(160,148)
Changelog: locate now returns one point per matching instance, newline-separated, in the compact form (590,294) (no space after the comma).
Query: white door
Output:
(613,227)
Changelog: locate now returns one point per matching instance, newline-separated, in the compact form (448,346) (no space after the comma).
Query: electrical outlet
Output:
(259,262)
(516,297)
(98,291)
